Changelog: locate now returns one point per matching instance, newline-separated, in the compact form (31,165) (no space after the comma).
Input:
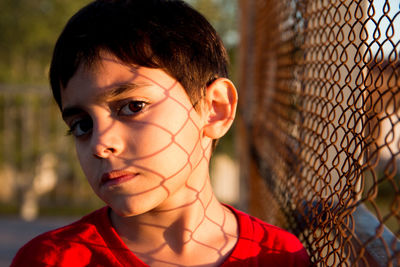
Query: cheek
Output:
(147,139)
(84,159)
(179,130)
(171,152)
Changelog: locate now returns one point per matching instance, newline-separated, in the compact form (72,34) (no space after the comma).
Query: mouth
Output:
(116,177)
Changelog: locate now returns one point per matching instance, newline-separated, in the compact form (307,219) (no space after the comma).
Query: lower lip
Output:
(119,180)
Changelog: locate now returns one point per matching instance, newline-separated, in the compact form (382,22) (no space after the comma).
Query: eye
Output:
(81,127)
(132,108)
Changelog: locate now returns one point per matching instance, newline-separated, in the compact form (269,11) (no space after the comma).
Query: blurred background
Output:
(41,184)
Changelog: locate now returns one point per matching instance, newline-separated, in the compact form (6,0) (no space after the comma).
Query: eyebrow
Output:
(109,94)
(117,91)
(70,112)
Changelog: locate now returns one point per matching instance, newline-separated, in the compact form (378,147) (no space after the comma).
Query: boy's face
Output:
(137,135)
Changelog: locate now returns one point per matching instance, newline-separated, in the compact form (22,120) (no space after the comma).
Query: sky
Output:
(385,27)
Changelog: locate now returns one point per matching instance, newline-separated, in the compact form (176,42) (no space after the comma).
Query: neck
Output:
(198,222)
(182,215)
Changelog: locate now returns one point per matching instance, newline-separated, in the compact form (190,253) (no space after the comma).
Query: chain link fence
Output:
(319,121)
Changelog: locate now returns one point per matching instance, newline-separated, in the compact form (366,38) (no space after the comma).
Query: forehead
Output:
(109,74)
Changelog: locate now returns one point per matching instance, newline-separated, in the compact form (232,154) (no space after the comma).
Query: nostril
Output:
(97,156)
(102,151)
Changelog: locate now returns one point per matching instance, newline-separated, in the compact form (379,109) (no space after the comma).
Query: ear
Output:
(220,108)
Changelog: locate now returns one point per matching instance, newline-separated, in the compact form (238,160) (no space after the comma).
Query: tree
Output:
(28,31)
(222,14)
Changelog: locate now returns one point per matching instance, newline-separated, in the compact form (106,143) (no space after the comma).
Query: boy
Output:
(142,85)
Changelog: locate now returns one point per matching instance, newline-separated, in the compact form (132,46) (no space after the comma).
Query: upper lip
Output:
(115,175)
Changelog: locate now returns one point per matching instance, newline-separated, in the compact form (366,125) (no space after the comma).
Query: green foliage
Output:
(222,14)
(28,31)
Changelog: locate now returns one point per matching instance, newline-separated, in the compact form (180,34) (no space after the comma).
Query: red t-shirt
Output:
(93,241)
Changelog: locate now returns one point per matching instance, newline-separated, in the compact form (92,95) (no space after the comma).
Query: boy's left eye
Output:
(132,108)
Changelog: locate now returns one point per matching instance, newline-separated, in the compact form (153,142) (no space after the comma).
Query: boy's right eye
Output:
(81,127)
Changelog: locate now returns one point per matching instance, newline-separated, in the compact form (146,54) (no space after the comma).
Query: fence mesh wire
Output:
(320,106)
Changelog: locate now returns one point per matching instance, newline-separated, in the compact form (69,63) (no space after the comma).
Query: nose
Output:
(107,140)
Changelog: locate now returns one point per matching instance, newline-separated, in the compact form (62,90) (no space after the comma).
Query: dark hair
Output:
(166,34)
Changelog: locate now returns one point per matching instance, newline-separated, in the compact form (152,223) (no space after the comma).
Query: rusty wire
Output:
(320,110)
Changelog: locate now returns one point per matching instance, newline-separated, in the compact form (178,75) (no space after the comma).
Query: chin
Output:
(128,209)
